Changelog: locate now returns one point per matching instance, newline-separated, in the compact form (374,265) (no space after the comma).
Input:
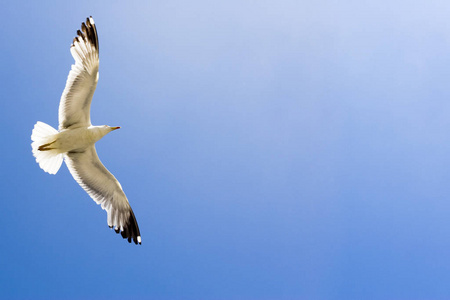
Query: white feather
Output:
(50,161)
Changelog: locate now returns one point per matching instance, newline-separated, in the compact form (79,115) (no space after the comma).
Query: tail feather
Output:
(49,160)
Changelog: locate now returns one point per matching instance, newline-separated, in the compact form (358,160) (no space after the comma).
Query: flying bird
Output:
(75,140)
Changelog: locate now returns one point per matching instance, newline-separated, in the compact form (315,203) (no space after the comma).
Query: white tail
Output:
(48,159)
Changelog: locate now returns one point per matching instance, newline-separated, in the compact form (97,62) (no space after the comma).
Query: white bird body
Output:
(79,138)
(75,141)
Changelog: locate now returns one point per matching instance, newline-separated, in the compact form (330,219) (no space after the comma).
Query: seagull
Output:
(75,140)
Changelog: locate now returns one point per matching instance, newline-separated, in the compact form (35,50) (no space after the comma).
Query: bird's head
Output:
(107,129)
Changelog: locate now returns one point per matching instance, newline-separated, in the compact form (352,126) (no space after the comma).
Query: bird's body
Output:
(75,140)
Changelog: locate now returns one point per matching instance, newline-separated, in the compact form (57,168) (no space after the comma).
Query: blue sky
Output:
(269,149)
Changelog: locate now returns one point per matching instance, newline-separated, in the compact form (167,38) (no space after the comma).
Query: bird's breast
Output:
(75,139)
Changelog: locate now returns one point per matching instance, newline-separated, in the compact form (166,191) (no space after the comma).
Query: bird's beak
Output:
(114,128)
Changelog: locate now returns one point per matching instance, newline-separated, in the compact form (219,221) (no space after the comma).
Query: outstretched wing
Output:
(87,169)
(75,103)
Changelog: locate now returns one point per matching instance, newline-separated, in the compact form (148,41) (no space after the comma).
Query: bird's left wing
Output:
(75,103)
(87,169)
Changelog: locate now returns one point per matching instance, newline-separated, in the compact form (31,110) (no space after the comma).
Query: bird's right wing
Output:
(87,169)
(75,103)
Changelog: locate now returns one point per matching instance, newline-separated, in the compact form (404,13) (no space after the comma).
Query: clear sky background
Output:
(269,149)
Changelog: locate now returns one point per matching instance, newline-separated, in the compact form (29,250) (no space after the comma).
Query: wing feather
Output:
(87,169)
(75,103)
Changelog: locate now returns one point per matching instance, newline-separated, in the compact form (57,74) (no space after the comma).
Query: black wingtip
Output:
(88,32)
(131,230)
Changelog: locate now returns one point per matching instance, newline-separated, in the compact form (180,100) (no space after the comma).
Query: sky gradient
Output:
(269,150)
